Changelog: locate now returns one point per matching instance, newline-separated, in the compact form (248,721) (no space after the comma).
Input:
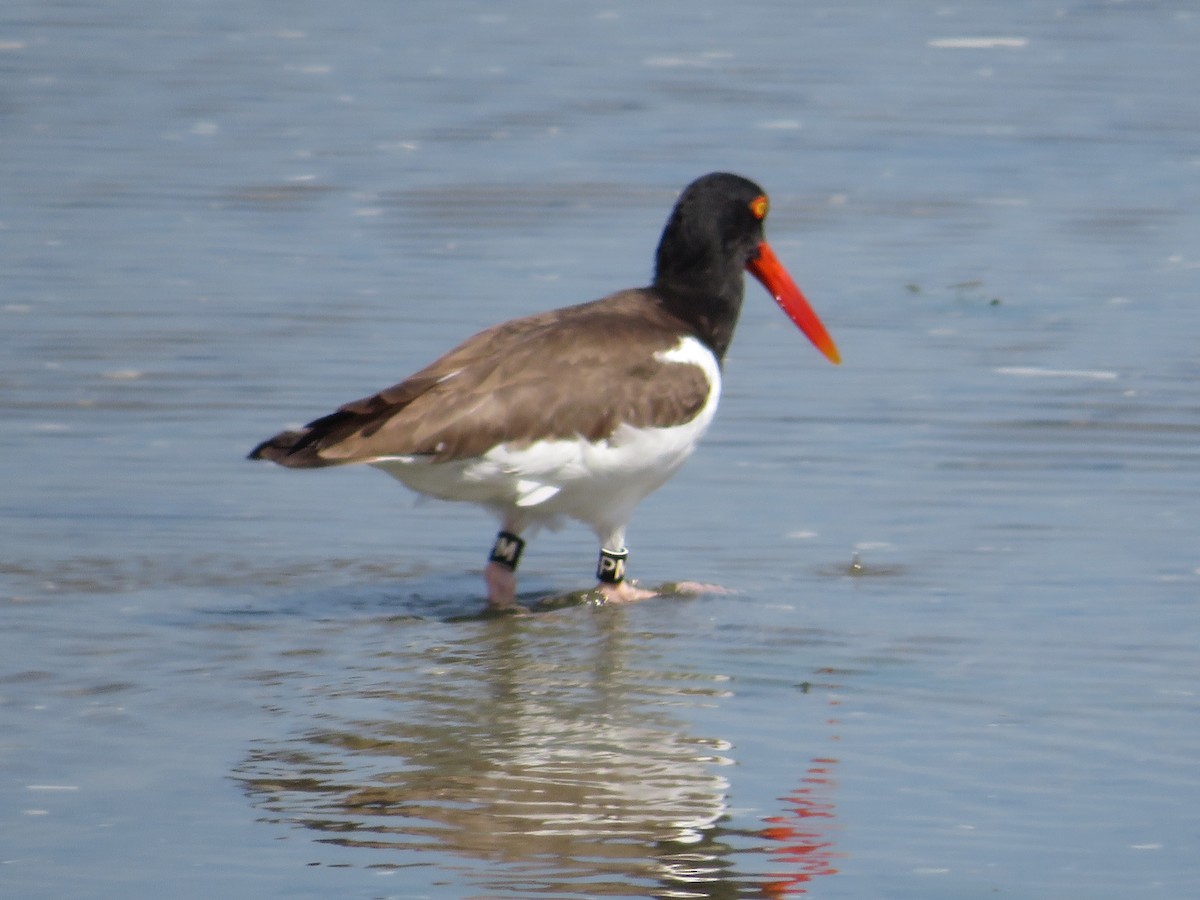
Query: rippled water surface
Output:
(962,656)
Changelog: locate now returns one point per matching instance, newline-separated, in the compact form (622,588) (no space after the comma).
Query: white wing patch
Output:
(533,493)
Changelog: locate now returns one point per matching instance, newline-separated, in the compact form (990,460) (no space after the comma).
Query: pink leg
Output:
(611,571)
(500,573)
(501,587)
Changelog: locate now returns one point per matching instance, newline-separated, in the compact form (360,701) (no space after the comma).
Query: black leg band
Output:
(611,569)
(507,550)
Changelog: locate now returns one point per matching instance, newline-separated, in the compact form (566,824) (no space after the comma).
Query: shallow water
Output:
(961,659)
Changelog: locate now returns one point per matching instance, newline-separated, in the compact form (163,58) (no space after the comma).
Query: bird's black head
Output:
(712,233)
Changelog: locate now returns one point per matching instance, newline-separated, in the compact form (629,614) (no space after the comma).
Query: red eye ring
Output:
(759,206)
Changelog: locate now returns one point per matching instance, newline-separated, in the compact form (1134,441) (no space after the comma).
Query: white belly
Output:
(598,483)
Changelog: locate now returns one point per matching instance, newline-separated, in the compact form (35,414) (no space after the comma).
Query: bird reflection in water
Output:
(553,753)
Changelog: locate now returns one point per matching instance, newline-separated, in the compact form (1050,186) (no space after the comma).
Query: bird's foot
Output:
(625,592)
(629,592)
(622,592)
(691,588)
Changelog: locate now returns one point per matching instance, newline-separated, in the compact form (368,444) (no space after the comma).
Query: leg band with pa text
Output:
(611,568)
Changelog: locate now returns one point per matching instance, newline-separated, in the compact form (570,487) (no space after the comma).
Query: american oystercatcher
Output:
(579,412)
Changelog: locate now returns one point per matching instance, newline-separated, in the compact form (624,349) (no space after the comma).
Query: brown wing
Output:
(582,370)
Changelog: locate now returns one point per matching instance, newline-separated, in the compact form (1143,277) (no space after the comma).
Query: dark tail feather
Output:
(293,449)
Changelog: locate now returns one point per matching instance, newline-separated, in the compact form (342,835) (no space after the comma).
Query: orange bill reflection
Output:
(802,846)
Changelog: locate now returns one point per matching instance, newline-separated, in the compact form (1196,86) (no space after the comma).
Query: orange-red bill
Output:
(767,268)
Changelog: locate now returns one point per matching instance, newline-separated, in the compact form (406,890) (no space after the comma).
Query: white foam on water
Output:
(978,43)
(1040,372)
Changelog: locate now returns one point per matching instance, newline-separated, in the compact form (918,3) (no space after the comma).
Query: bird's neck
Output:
(710,311)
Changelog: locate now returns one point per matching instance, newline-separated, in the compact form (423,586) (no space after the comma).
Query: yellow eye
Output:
(759,206)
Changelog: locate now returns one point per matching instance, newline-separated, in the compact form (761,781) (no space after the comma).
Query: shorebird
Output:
(579,412)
